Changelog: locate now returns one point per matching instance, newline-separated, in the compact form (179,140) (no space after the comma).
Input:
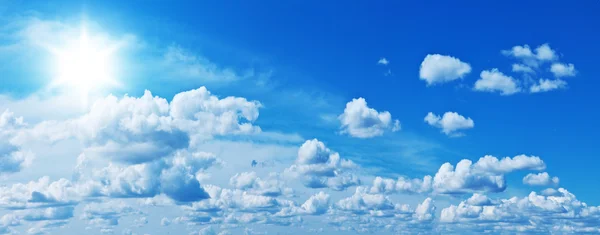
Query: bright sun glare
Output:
(84,64)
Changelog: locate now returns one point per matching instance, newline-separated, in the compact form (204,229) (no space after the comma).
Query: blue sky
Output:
(232,83)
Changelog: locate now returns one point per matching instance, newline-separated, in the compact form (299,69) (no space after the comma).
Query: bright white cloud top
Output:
(540,179)
(563,70)
(437,69)
(358,120)
(495,81)
(450,123)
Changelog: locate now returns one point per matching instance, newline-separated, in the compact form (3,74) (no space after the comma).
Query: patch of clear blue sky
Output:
(333,47)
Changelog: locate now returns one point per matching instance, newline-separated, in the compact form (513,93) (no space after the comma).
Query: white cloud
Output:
(450,123)
(136,130)
(543,214)
(505,165)
(540,179)
(317,204)
(522,68)
(563,70)
(39,193)
(249,181)
(547,85)
(402,185)
(176,177)
(543,53)
(436,69)
(319,167)
(479,200)
(383,61)
(12,157)
(358,120)
(363,202)
(486,175)
(462,179)
(425,211)
(495,81)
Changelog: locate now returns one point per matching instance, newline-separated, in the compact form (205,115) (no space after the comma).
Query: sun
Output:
(84,64)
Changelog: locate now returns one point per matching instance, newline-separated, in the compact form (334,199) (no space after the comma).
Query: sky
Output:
(299,117)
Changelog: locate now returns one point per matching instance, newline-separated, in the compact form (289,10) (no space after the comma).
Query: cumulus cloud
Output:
(319,167)
(176,177)
(358,120)
(542,214)
(401,185)
(540,179)
(563,70)
(224,203)
(437,69)
(450,123)
(12,157)
(317,204)
(495,81)
(486,175)
(543,53)
(249,181)
(136,130)
(363,202)
(39,193)
(547,85)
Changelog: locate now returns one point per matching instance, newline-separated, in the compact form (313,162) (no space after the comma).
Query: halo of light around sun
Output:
(84,64)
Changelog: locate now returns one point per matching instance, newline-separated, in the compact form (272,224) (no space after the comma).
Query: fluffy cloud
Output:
(402,185)
(198,111)
(363,202)
(358,120)
(486,175)
(540,179)
(436,69)
(223,205)
(319,167)
(12,157)
(39,193)
(137,130)
(547,85)
(531,214)
(450,123)
(176,177)
(505,165)
(543,53)
(249,181)
(495,81)
(563,70)
(317,204)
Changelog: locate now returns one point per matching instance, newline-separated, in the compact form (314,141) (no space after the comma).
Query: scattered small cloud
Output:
(495,81)
(450,123)
(437,69)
